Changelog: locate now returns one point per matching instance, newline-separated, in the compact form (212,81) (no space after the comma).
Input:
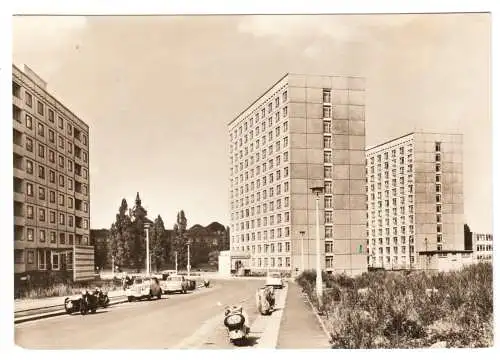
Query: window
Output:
(70,202)
(70,220)
(328,172)
(84,157)
(39,107)
(70,130)
(328,157)
(285,96)
(30,234)
(51,115)
(70,184)
(70,147)
(29,166)
(328,202)
(60,122)
(51,136)
(41,172)
(41,193)
(61,180)
(327,141)
(29,189)
(438,157)
(29,144)
(61,199)
(438,146)
(52,237)
(438,168)
(85,139)
(52,217)
(19,256)
(61,161)
(55,260)
(52,176)
(327,111)
(41,130)
(52,197)
(29,212)
(28,99)
(328,216)
(61,142)
(29,122)
(61,219)
(42,235)
(327,98)
(41,151)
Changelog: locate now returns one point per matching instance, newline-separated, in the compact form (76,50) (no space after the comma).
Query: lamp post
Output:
(146,227)
(188,259)
(317,190)
(113,266)
(302,233)
(176,262)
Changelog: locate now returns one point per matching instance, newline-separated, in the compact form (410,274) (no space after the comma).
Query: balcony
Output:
(80,178)
(19,220)
(18,149)
(19,126)
(19,173)
(19,197)
(80,231)
(80,213)
(17,102)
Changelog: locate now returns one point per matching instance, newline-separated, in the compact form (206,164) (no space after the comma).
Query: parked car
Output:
(175,283)
(167,273)
(274,279)
(144,288)
(191,283)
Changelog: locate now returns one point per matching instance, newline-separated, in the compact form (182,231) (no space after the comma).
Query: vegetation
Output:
(407,310)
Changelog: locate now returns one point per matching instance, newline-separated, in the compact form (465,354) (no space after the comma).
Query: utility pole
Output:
(176,261)
(319,278)
(188,259)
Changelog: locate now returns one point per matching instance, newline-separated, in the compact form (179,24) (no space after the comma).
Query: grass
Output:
(395,311)
(65,289)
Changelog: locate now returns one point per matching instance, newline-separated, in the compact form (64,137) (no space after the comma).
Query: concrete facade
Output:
(305,131)
(415,198)
(51,178)
(438,261)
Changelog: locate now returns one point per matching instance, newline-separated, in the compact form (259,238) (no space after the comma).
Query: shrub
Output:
(394,310)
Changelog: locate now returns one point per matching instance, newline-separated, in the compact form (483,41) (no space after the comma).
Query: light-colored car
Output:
(275,280)
(144,288)
(175,283)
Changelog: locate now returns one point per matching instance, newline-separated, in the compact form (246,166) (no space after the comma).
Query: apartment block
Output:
(482,247)
(415,198)
(305,131)
(51,178)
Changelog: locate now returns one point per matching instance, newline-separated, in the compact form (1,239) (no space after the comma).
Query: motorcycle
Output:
(265,300)
(102,297)
(235,322)
(89,303)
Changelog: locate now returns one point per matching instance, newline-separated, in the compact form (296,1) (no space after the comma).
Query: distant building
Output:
(482,247)
(415,198)
(304,131)
(51,180)
(444,260)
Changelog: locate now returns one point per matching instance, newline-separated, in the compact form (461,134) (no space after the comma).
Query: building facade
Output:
(51,178)
(415,198)
(303,132)
(482,247)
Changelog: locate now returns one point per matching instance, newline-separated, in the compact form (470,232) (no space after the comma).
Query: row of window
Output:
(439,225)
(273,262)
(42,190)
(40,110)
(256,155)
(395,250)
(256,210)
(51,154)
(260,113)
(53,238)
(239,203)
(402,240)
(47,259)
(409,149)
(268,248)
(262,235)
(395,260)
(52,216)
(78,169)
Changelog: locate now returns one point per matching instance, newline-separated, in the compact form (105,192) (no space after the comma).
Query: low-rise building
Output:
(482,247)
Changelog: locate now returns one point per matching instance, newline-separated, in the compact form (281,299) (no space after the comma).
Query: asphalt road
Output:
(192,320)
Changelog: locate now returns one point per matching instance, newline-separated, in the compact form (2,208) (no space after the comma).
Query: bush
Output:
(393,309)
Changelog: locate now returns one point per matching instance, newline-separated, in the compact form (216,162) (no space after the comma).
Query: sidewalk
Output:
(300,328)
(30,304)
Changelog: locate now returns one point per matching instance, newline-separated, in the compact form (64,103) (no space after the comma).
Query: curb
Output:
(320,320)
(54,313)
(45,315)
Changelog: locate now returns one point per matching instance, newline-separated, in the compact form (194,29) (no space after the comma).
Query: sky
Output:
(158,93)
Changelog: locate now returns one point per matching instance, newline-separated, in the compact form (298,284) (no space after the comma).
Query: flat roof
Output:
(260,97)
(414,132)
(49,94)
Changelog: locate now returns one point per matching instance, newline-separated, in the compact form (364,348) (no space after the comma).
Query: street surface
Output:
(193,320)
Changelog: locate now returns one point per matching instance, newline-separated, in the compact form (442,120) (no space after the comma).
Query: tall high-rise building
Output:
(415,198)
(51,178)
(305,131)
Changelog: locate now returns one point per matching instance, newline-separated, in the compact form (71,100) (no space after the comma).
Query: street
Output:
(193,320)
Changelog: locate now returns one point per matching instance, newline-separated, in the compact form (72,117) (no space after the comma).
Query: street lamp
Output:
(188,259)
(302,233)
(146,227)
(317,190)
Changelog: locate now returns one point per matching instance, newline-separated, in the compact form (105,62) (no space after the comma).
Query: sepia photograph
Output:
(251,181)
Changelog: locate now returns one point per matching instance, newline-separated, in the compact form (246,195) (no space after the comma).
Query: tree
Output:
(179,241)
(138,235)
(120,236)
(159,247)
